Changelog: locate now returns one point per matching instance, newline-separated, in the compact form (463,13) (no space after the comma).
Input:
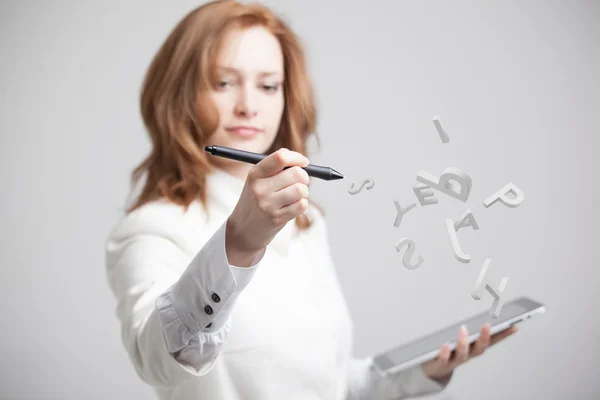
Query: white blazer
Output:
(196,327)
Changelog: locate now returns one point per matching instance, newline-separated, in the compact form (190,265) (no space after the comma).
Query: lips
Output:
(245,131)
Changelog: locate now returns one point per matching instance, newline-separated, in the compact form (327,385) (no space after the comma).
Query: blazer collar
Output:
(224,191)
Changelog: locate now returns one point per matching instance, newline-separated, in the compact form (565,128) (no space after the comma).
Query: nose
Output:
(247,102)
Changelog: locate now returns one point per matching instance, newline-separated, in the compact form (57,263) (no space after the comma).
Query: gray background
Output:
(514,86)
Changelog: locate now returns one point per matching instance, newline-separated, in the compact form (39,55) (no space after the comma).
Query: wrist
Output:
(441,379)
(237,253)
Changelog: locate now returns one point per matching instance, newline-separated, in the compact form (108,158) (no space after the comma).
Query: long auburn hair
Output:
(180,116)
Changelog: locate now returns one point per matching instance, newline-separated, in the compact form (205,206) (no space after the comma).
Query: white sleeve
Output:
(173,326)
(364,382)
(199,345)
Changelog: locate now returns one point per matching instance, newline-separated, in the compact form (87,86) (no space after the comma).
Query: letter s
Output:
(409,254)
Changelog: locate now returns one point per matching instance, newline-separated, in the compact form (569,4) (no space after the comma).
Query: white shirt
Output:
(196,327)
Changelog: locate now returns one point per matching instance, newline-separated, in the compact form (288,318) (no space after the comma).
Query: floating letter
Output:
(401,212)
(409,254)
(458,253)
(484,284)
(502,195)
(352,189)
(419,190)
(466,219)
(441,131)
(453,182)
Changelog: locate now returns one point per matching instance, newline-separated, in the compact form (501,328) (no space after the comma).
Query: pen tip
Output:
(336,175)
(208,148)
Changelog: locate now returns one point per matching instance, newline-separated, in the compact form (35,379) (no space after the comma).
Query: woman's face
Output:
(249,95)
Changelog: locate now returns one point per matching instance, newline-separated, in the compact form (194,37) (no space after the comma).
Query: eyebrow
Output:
(262,73)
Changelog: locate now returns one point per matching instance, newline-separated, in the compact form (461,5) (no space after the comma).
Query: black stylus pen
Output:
(317,171)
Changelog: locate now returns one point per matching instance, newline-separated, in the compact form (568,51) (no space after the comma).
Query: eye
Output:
(271,88)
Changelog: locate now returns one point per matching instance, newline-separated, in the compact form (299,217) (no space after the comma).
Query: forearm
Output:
(235,253)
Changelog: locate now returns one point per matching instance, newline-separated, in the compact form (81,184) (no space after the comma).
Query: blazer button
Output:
(208,310)
(216,298)
(209,325)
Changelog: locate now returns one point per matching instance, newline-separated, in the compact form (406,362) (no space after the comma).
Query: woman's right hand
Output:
(271,198)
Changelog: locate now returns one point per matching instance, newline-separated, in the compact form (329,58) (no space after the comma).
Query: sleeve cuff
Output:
(208,287)
(206,291)
(177,336)
(243,275)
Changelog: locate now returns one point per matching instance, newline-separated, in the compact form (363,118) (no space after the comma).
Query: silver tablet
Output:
(428,347)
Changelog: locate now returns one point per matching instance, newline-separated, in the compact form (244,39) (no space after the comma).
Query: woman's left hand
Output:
(441,368)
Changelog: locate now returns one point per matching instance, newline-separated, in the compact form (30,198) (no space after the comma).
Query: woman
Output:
(225,285)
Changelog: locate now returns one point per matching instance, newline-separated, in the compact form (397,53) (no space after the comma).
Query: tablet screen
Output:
(435,340)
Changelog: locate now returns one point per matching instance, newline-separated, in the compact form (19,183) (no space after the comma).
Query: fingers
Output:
(288,212)
(502,335)
(277,193)
(283,180)
(486,340)
(290,195)
(276,162)
(447,360)
(482,342)
(440,366)
(282,192)
(444,355)
(292,200)
(461,352)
